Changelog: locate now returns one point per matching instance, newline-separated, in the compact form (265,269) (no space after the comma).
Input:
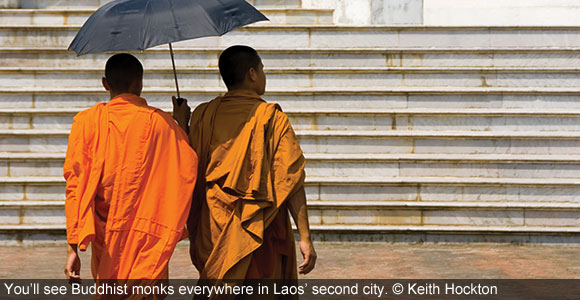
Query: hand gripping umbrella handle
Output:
(179,99)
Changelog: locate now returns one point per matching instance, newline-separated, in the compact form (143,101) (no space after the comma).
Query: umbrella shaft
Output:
(174,72)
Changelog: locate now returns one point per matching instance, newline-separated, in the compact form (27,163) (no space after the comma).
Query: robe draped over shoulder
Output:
(239,222)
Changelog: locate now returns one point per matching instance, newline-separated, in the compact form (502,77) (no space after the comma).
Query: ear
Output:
(253,74)
(105,84)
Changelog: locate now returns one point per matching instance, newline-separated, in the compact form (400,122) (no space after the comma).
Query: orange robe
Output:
(130,174)
(239,223)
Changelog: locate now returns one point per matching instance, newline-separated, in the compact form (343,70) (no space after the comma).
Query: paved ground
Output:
(357,260)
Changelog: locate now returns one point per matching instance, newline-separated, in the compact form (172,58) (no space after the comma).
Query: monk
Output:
(239,225)
(130,174)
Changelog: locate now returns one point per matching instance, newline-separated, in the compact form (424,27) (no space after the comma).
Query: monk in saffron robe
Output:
(130,174)
(239,224)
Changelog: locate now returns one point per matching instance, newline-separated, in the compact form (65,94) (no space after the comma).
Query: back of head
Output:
(122,71)
(235,62)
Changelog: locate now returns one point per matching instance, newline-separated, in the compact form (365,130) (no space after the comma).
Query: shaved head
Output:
(235,62)
(122,71)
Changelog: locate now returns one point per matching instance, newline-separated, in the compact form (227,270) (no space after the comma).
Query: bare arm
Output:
(299,211)
(72,269)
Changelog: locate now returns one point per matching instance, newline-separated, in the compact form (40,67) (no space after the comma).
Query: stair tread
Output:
(385,50)
(368,228)
(320,90)
(364,180)
(364,157)
(368,133)
(450,228)
(369,111)
(366,204)
(275,70)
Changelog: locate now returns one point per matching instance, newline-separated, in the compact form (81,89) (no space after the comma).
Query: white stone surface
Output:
(52,122)
(10,192)
(552,218)
(40,168)
(44,216)
(9,3)
(474,218)
(396,12)
(3,168)
(47,144)
(332,58)
(487,123)
(345,11)
(45,192)
(501,13)
(371,217)
(356,145)
(9,216)
(368,193)
(350,169)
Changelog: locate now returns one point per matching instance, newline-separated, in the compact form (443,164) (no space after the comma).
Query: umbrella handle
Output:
(179,99)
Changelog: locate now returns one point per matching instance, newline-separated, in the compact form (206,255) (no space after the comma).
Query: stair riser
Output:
(361,144)
(446,217)
(79,18)
(32,215)
(33,192)
(338,100)
(197,59)
(355,122)
(319,121)
(58,237)
(313,79)
(303,37)
(357,144)
(361,192)
(362,169)
(444,192)
(56,4)
(359,216)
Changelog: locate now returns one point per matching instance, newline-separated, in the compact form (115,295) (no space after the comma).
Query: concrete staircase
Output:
(411,133)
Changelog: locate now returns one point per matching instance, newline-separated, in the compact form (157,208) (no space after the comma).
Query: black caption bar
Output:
(302,289)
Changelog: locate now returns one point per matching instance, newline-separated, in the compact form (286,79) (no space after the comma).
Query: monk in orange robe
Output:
(130,174)
(239,224)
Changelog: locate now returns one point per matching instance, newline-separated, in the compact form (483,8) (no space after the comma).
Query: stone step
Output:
(45,164)
(442,189)
(361,213)
(79,16)
(93,4)
(312,77)
(319,98)
(441,158)
(331,36)
(352,119)
(32,213)
(38,235)
(158,57)
(352,141)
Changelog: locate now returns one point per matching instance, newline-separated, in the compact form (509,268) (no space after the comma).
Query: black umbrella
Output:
(141,24)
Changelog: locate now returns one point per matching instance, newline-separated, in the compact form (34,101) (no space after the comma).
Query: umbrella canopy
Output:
(141,24)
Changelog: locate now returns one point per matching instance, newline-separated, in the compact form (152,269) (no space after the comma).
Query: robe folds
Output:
(250,163)
(130,174)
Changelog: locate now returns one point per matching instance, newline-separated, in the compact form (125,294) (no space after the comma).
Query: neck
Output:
(115,94)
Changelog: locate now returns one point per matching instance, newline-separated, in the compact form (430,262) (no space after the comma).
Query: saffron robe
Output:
(239,223)
(130,174)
